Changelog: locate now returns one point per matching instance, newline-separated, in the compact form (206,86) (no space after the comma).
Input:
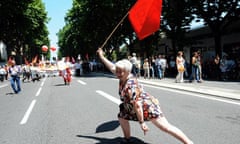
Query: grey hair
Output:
(124,64)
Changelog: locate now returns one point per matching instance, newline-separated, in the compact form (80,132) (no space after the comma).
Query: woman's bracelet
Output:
(141,122)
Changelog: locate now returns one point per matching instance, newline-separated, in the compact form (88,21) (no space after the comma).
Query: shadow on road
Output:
(117,140)
(10,93)
(60,85)
(110,126)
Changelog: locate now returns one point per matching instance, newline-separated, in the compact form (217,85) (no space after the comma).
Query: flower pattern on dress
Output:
(133,91)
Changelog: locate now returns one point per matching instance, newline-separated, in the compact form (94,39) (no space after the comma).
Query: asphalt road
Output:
(49,112)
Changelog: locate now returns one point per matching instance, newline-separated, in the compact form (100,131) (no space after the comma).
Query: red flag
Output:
(145,17)
(73,60)
(87,56)
(26,61)
(34,60)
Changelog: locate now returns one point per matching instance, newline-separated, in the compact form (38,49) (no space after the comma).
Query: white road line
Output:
(38,92)
(111,98)
(81,82)
(4,85)
(28,112)
(43,82)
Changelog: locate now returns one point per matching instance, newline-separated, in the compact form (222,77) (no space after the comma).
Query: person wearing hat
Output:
(14,72)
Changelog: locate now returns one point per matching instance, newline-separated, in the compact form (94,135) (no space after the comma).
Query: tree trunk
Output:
(218,43)
(174,47)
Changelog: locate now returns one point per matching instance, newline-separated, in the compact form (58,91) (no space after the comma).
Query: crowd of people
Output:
(32,72)
(194,70)
(152,67)
(19,73)
(227,68)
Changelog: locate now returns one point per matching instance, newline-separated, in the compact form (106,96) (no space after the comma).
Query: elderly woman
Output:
(138,105)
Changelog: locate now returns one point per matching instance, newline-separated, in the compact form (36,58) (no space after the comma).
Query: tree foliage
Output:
(176,19)
(218,15)
(23,26)
(89,23)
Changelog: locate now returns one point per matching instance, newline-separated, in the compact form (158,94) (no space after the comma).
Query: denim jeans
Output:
(195,73)
(159,72)
(152,72)
(15,80)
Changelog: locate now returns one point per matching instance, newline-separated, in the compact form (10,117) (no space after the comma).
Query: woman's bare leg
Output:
(125,127)
(165,126)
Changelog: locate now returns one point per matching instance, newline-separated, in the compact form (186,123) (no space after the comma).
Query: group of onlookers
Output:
(183,67)
(225,68)
(196,68)
(156,67)
(16,73)
(193,71)
(152,67)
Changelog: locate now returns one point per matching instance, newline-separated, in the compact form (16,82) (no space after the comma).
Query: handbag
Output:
(181,68)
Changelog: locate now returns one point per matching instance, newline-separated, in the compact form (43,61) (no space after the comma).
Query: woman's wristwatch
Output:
(141,122)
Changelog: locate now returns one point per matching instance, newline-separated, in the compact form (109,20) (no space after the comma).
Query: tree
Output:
(90,23)
(37,32)
(176,19)
(23,26)
(217,15)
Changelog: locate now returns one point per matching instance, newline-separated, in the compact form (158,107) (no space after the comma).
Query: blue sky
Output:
(56,10)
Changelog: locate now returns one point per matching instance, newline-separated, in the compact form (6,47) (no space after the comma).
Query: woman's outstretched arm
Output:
(105,61)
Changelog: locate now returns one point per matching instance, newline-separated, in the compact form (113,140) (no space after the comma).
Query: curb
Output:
(211,91)
(217,93)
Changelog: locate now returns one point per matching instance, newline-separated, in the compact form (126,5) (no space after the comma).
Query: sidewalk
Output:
(229,90)
(225,89)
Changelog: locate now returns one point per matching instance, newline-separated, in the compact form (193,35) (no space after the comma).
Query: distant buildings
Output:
(204,41)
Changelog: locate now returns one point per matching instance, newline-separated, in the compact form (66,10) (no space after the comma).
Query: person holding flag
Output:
(138,105)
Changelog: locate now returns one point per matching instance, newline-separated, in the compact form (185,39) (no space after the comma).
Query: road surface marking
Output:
(28,112)
(38,92)
(111,98)
(4,85)
(81,82)
(43,82)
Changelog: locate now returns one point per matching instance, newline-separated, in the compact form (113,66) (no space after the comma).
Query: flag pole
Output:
(114,30)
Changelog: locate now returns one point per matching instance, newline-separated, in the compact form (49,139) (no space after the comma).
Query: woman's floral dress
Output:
(130,92)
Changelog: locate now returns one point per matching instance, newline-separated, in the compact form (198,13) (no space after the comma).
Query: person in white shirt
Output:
(14,72)
(163,63)
(133,60)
